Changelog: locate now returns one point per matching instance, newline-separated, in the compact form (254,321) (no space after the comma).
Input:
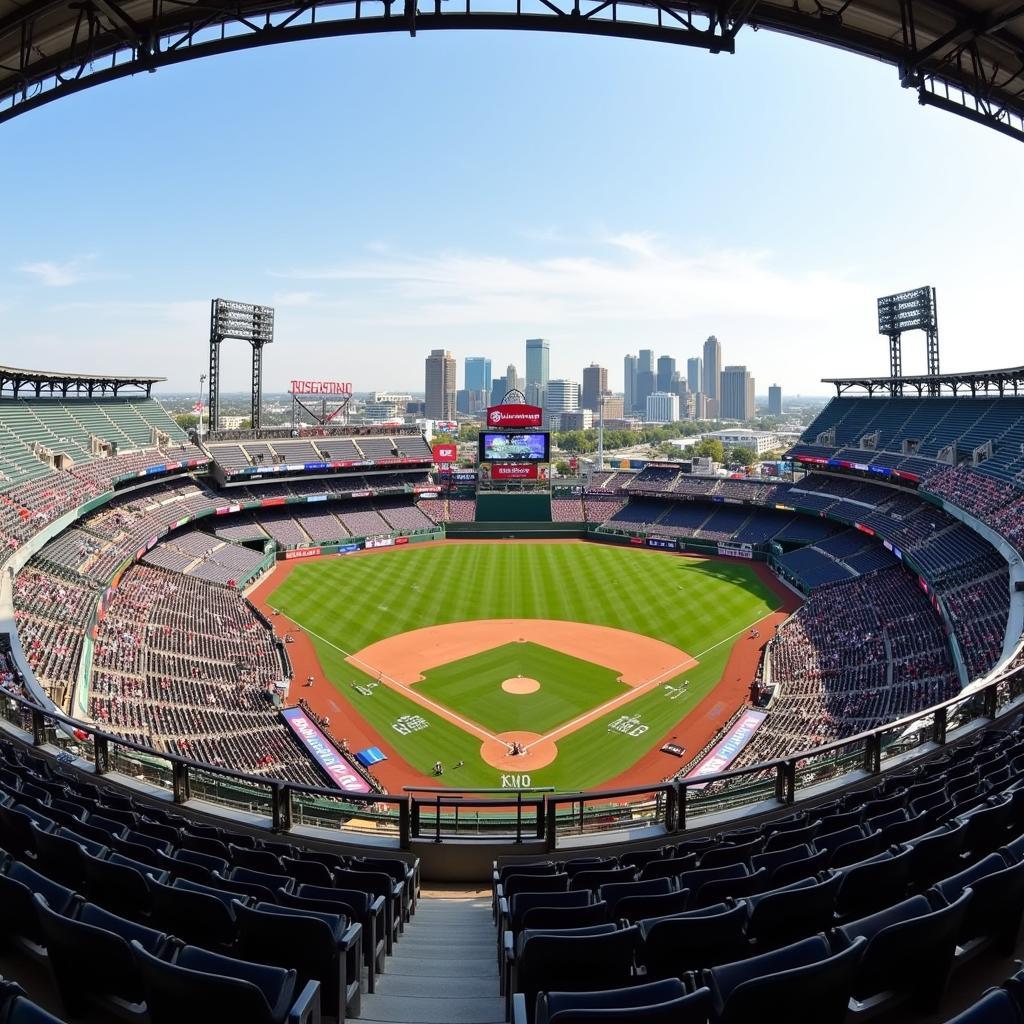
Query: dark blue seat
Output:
(994,1007)
(660,1002)
(692,940)
(997,904)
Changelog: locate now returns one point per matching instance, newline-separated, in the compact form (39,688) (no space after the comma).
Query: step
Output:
(452,967)
(433,986)
(401,1009)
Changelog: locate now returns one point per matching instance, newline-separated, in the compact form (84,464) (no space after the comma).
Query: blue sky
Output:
(468,190)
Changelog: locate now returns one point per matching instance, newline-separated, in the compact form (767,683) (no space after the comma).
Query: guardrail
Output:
(538,817)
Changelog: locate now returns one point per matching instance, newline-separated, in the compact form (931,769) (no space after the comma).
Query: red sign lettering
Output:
(320,387)
(445,453)
(514,416)
(513,471)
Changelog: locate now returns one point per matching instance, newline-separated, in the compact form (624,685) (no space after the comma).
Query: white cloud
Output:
(54,275)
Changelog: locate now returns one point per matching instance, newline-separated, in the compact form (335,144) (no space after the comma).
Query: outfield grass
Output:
(569,687)
(347,603)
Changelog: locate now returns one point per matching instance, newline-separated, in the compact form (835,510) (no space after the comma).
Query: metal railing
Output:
(538,817)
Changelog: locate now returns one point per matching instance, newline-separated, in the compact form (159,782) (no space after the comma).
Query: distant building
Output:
(562,396)
(693,378)
(774,400)
(666,371)
(712,368)
(576,419)
(538,356)
(512,381)
(630,367)
(759,441)
(662,407)
(646,360)
(614,407)
(498,389)
(478,373)
(440,385)
(646,385)
(595,384)
(737,397)
(385,405)
(700,406)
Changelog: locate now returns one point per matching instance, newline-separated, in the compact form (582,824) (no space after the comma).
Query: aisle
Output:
(443,970)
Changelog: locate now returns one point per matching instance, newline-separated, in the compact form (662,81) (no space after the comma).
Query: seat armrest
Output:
(508,947)
(306,1008)
(519,1009)
(690,981)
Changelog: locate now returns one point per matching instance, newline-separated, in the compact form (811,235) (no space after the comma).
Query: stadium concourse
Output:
(881,875)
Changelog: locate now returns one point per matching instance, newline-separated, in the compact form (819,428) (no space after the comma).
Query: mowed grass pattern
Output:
(347,603)
(569,687)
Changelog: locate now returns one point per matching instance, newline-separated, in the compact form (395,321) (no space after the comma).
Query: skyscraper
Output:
(646,360)
(775,400)
(595,384)
(666,369)
(737,401)
(537,369)
(712,368)
(630,366)
(478,373)
(561,396)
(645,386)
(512,381)
(693,380)
(440,385)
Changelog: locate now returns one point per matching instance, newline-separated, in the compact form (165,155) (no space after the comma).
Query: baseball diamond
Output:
(606,633)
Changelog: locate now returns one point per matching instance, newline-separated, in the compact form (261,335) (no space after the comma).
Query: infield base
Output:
(539,752)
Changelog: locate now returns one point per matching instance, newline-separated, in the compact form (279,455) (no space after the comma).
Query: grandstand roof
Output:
(39,382)
(1009,380)
(966,56)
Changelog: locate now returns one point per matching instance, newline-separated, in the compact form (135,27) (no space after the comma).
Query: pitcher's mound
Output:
(498,752)
(521,684)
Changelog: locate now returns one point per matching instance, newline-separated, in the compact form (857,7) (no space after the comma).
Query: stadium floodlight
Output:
(245,322)
(914,310)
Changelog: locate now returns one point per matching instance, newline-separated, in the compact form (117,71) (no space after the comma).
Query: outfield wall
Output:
(519,508)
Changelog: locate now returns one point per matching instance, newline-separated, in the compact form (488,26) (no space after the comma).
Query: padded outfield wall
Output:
(513,508)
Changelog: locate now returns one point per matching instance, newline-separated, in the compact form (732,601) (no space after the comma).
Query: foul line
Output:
(638,691)
(418,698)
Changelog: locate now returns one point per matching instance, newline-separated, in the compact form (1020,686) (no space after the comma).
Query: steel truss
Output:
(1009,381)
(958,59)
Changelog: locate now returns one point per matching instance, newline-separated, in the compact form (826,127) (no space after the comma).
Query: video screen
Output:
(507,447)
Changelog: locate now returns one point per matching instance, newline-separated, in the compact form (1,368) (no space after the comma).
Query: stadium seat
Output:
(997,904)
(593,880)
(17,1008)
(783,915)
(692,940)
(321,947)
(562,918)
(91,959)
(874,883)
(667,867)
(804,983)
(19,921)
(909,953)
(194,913)
(994,1007)
(378,883)
(120,888)
(207,988)
(635,908)
(612,892)
(936,854)
(310,871)
(571,962)
(659,1002)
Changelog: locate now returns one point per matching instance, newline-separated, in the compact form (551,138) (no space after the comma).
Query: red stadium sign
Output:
(513,471)
(445,453)
(301,553)
(514,416)
(320,387)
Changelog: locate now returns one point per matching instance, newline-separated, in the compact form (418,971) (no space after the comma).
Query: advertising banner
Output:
(401,540)
(513,471)
(728,748)
(445,453)
(301,553)
(380,542)
(736,550)
(661,542)
(341,773)
(514,416)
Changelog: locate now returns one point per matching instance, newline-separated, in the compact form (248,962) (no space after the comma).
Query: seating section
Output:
(185,666)
(206,557)
(862,907)
(857,654)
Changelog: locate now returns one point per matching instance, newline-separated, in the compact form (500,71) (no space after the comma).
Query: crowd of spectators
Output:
(996,503)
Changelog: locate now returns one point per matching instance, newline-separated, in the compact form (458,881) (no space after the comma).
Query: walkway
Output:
(443,970)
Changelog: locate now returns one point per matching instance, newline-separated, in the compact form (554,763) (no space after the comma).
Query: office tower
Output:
(646,385)
(614,407)
(666,370)
(678,386)
(512,381)
(440,385)
(478,373)
(562,396)
(700,406)
(737,401)
(498,389)
(693,380)
(662,407)
(775,400)
(537,368)
(646,359)
(630,367)
(710,385)
(595,384)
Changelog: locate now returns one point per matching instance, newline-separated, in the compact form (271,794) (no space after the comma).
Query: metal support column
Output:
(257,384)
(896,362)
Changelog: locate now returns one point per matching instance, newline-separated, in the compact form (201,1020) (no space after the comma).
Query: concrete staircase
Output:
(443,970)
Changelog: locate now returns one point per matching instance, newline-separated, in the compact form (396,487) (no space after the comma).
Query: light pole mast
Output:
(600,432)
(202,381)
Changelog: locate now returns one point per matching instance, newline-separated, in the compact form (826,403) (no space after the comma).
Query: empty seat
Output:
(693,940)
(659,1002)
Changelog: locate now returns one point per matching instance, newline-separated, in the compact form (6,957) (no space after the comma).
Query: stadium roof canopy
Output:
(13,383)
(966,56)
(985,382)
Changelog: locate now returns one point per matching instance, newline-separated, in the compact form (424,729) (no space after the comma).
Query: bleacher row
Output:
(866,906)
(199,554)
(236,456)
(184,666)
(928,428)
(131,907)
(857,654)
